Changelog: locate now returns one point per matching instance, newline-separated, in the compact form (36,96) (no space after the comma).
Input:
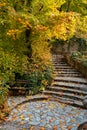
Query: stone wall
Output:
(65,48)
(76,64)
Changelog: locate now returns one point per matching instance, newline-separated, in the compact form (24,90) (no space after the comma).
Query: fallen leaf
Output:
(69,127)
(52,106)
(0,127)
(32,128)
(42,128)
(48,99)
(44,101)
(60,94)
(77,125)
(54,127)
(21,123)
(62,127)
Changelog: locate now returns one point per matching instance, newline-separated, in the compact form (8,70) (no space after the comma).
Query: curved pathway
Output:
(44,113)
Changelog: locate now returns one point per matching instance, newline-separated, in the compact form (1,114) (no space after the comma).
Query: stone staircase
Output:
(68,86)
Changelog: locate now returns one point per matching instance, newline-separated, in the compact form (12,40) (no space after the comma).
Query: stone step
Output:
(75,86)
(59,65)
(59,62)
(59,59)
(67,101)
(69,79)
(66,70)
(63,72)
(57,55)
(63,67)
(68,85)
(68,75)
(65,95)
(66,90)
(33,98)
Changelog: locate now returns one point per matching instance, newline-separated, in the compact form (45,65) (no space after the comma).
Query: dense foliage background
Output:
(26,29)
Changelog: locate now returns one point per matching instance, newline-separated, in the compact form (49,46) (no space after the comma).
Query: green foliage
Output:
(80,57)
(79,6)
(38,77)
(84,62)
(81,27)
(3,94)
(76,55)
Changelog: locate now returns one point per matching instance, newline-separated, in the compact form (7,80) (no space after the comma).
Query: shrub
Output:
(84,63)
(3,104)
(38,78)
(76,55)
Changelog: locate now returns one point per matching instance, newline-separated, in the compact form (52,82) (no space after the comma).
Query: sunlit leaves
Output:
(81,28)
(79,6)
(63,25)
(2,4)
(43,9)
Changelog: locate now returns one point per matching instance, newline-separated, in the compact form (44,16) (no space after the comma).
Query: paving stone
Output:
(43,123)
(34,122)
(74,128)
(48,118)
(38,118)
(50,114)
(56,122)
(60,113)
(79,119)
(43,116)
(48,126)
(67,109)
(27,119)
(67,119)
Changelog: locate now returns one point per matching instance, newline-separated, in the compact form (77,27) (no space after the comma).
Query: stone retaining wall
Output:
(64,48)
(76,64)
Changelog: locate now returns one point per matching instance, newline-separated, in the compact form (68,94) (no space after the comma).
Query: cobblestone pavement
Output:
(47,114)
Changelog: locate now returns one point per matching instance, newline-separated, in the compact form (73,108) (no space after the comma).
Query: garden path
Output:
(59,106)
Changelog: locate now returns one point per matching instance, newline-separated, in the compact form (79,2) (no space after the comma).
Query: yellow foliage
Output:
(41,52)
(44,82)
(12,33)
(2,4)
(41,28)
(64,26)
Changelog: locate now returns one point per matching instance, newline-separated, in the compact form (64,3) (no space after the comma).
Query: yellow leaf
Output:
(54,127)
(69,127)
(42,128)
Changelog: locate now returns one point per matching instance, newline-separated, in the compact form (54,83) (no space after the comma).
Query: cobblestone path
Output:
(43,113)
